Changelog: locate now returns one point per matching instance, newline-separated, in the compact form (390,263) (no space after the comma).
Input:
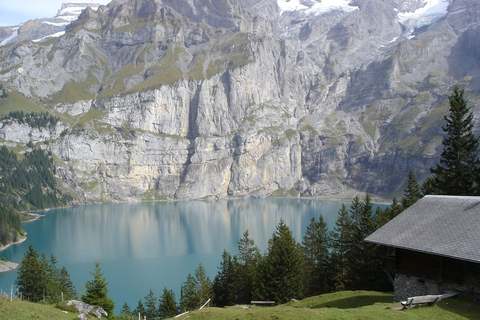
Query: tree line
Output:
(3,92)
(25,184)
(28,183)
(39,279)
(33,119)
(325,261)
(10,226)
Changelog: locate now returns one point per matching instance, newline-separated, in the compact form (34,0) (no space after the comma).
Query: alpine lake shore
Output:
(25,217)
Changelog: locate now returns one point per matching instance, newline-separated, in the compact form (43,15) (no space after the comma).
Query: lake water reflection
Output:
(153,245)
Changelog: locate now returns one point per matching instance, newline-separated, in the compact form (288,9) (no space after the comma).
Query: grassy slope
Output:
(22,310)
(341,305)
(344,305)
(18,102)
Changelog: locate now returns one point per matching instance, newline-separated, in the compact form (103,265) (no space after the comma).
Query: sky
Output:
(14,12)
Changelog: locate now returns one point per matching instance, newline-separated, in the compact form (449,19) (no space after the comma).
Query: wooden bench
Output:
(263,303)
(427,300)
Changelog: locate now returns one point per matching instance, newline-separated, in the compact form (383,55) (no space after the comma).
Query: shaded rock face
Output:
(217,98)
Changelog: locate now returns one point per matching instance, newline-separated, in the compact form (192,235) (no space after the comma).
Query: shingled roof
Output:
(447,226)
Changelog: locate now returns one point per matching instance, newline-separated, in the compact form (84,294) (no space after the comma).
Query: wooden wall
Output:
(442,269)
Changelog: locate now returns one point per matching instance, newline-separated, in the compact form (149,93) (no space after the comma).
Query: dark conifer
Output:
(315,249)
(151,311)
(140,309)
(412,193)
(188,294)
(245,268)
(168,306)
(283,273)
(66,285)
(224,288)
(341,238)
(204,285)
(458,172)
(97,292)
(126,310)
(31,276)
(196,290)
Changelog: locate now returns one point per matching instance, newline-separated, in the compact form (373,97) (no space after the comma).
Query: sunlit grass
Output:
(344,305)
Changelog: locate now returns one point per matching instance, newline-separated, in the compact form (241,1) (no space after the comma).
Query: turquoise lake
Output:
(152,245)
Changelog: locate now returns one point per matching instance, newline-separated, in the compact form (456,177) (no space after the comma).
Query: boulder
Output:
(84,309)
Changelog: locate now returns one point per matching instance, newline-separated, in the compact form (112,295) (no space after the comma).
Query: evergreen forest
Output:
(39,279)
(25,184)
(325,261)
(33,119)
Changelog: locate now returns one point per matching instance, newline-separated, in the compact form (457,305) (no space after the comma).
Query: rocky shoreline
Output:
(6,266)
(35,217)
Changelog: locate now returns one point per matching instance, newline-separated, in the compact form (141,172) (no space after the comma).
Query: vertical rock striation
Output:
(215,98)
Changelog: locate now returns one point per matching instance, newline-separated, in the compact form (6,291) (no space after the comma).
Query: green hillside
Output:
(344,305)
(22,310)
(340,305)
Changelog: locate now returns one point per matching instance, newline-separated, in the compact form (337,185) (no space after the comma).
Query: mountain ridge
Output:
(44,28)
(217,98)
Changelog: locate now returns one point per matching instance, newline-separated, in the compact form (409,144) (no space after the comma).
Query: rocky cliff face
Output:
(215,98)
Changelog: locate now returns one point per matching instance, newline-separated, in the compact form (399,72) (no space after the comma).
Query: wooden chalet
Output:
(433,246)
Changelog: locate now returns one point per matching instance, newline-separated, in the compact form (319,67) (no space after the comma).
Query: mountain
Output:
(181,99)
(43,29)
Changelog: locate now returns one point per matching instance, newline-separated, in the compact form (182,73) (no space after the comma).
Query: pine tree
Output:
(204,285)
(245,268)
(151,311)
(47,281)
(39,278)
(96,291)
(340,239)
(412,192)
(188,294)
(358,255)
(195,291)
(140,309)
(126,313)
(125,309)
(459,170)
(370,255)
(316,257)
(283,273)
(66,285)
(31,276)
(168,306)
(223,284)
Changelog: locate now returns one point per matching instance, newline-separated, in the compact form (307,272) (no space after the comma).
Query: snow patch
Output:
(12,36)
(316,7)
(56,24)
(432,11)
(70,12)
(55,35)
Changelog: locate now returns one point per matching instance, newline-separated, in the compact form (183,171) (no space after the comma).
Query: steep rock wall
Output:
(159,101)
